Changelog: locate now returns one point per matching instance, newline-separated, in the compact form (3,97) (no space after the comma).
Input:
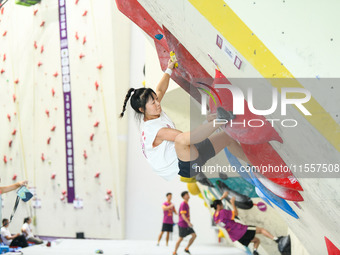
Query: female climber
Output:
(237,231)
(170,151)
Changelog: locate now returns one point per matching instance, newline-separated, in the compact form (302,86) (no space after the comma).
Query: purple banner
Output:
(66,82)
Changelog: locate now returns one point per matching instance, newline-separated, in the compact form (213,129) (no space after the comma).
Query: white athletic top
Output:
(162,158)
(5,232)
(28,230)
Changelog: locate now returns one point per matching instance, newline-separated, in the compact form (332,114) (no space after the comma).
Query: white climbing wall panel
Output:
(32,137)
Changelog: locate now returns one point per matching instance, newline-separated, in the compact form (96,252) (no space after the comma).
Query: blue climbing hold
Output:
(159,36)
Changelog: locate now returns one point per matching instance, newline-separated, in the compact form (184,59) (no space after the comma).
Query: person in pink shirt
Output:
(238,232)
(168,222)
(184,224)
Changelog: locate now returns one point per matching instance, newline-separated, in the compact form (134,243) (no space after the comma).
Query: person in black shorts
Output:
(237,231)
(168,222)
(184,224)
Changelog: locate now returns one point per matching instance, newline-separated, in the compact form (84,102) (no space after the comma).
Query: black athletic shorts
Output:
(248,236)
(205,152)
(167,227)
(183,232)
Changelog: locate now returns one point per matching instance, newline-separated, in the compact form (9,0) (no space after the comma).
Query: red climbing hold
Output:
(84,154)
(42,49)
(97,85)
(35,12)
(63,192)
(91,137)
(35,45)
(53,92)
(90,107)
(10,143)
(42,23)
(55,74)
(331,248)
(47,113)
(14,177)
(16,81)
(4,57)
(77,37)
(2,10)
(96,124)
(39,64)
(2,71)
(81,55)
(5,159)
(49,140)
(100,66)
(42,157)
(97,175)
(84,40)
(4,34)
(14,98)
(53,176)
(14,132)
(109,192)
(85,13)
(53,128)
(9,117)
(76,1)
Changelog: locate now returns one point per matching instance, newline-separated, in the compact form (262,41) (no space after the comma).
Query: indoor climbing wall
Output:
(249,39)
(61,89)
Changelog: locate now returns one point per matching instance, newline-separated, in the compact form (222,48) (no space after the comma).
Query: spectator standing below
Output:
(184,224)
(168,222)
(27,232)
(9,239)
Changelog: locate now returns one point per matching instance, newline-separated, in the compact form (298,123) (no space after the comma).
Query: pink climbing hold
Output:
(2,10)
(4,57)
(5,33)
(81,55)
(77,37)
(53,128)
(42,157)
(49,140)
(53,92)
(39,64)
(100,66)
(42,49)
(97,85)
(35,45)
(84,40)
(14,132)
(42,24)
(90,107)
(91,137)
(76,1)
(55,74)
(96,124)
(14,177)
(331,248)
(9,117)
(14,98)
(109,192)
(47,113)
(84,154)
(85,13)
